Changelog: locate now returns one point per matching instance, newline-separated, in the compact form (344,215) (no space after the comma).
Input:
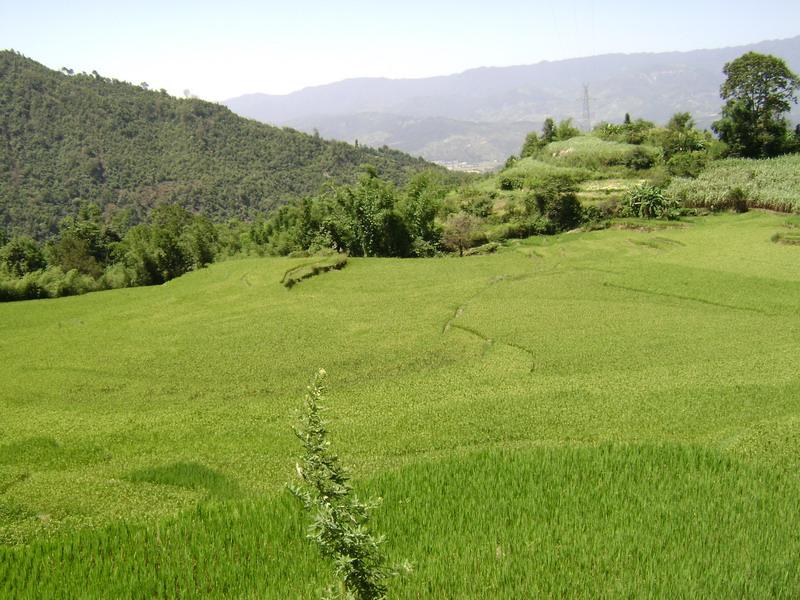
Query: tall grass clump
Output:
(772,183)
(648,202)
(339,519)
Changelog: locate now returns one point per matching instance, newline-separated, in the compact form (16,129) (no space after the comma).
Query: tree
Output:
(84,243)
(459,231)
(548,131)
(422,198)
(681,136)
(531,145)
(759,90)
(364,220)
(566,130)
(635,132)
(22,255)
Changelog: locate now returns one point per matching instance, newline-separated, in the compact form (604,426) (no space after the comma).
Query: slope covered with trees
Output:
(70,138)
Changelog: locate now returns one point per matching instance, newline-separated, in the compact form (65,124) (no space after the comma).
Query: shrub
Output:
(520,228)
(510,182)
(639,159)
(479,206)
(340,520)
(534,171)
(594,214)
(687,164)
(461,232)
(649,202)
(116,276)
(556,200)
(736,198)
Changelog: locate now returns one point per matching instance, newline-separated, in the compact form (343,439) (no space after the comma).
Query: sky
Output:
(219,50)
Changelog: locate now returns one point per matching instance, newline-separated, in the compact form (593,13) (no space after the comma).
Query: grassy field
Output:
(595,414)
(588,152)
(772,183)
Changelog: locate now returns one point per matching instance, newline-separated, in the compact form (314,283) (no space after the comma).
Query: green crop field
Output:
(772,183)
(599,414)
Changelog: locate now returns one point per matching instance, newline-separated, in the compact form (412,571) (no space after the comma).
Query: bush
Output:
(596,214)
(556,200)
(51,282)
(520,228)
(532,172)
(640,159)
(687,164)
(510,182)
(116,276)
(736,199)
(422,248)
(649,202)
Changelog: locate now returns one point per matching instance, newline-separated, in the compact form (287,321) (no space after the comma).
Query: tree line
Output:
(94,248)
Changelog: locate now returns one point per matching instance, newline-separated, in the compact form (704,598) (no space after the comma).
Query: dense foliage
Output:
(89,255)
(759,90)
(67,139)
(370,218)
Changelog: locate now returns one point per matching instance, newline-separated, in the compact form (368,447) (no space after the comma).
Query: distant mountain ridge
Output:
(443,118)
(67,139)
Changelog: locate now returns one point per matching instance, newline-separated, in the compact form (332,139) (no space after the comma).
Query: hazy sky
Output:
(223,49)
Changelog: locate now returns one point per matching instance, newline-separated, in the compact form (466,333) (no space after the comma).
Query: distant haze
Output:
(478,118)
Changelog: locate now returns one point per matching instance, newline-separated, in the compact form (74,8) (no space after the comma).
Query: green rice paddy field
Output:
(604,414)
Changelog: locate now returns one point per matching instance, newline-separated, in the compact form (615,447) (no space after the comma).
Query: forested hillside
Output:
(70,138)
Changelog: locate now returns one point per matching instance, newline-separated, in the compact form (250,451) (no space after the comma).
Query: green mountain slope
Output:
(65,139)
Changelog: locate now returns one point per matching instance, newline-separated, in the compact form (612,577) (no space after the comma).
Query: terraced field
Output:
(595,414)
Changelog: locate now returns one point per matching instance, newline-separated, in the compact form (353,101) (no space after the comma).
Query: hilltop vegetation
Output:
(70,139)
(571,415)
